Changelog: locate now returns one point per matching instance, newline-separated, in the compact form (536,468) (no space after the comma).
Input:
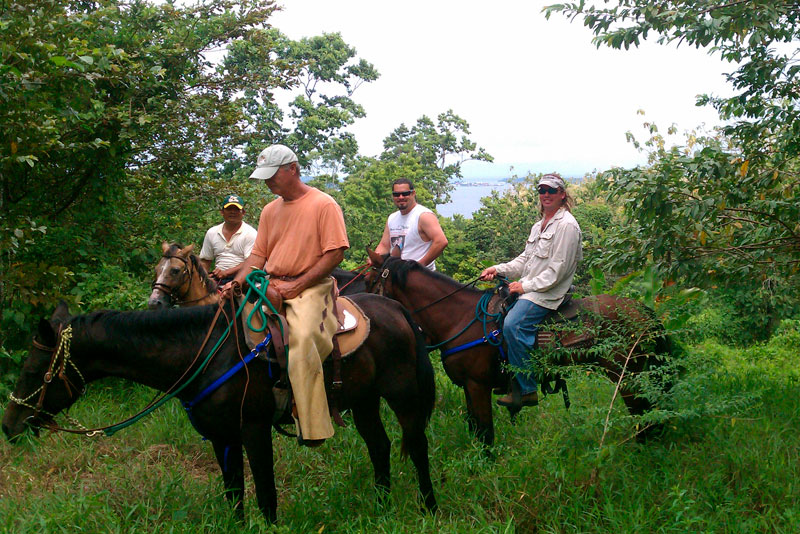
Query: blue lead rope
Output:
(188,405)
(492,338)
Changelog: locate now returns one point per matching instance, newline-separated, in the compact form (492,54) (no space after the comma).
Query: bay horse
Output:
(447,312)
(182,280)
(159,348)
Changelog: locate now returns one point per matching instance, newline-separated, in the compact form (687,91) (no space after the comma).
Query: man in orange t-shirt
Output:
(301,239)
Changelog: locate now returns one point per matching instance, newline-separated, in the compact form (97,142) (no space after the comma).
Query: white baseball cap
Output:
(553,180)
(270,159)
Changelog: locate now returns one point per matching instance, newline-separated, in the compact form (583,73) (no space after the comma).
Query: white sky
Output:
(537,94)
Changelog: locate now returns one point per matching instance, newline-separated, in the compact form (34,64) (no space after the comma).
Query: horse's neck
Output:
(136,354)
(441,308)
(198,294)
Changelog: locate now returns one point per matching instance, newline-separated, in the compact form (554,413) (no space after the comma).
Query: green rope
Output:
(254,278)
(481,313)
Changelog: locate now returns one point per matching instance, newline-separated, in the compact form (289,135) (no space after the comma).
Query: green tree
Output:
(722,208)
(439,148)
(124,122)
(429,154)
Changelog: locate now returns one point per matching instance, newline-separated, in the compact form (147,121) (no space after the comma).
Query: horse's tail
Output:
(425,377)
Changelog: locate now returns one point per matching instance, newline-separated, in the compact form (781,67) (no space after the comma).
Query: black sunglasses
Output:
(547,189)
(402,193)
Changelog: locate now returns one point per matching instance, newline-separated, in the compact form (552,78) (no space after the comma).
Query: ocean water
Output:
(466,198)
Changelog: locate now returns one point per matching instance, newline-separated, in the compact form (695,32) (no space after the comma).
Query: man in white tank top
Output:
(413,228)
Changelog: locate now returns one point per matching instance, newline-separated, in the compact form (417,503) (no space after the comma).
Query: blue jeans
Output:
(519,330)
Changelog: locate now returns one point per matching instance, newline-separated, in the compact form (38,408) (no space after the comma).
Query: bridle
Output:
(385,273)
(186,276)
(60,359)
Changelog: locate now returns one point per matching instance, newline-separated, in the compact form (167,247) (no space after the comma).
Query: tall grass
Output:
(728,462)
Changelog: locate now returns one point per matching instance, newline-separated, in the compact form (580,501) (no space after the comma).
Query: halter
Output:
(186,279)
(59,360)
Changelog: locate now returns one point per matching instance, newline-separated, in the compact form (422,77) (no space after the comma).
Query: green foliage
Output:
(429,155)
(723,204)
(502,224)
(110,287)
(126,121)
(728,467)
(438,149)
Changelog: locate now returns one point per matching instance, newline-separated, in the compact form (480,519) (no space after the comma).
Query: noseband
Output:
(59,360)
(185,279)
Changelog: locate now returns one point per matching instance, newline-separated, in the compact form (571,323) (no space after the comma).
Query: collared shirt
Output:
(547,265)
(226,254)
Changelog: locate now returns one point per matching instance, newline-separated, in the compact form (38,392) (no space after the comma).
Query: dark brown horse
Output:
(447,312)
(181,280)
(157,348)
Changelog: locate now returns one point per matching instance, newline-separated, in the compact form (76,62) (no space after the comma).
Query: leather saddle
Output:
(353,330)
(354,327)
(556,329)
(563,327)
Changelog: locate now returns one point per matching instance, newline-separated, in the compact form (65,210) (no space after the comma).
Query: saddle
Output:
(354,327)
(553,333)
(353,330)
(563,336)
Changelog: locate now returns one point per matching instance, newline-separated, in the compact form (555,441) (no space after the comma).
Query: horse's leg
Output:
(480,405)
(472,422)
(257,439)
(415,444)
(229,458)
(366,416)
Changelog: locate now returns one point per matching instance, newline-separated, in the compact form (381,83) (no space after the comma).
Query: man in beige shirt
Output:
(543,274)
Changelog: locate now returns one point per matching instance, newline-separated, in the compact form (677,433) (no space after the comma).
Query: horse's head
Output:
(173,275)
(49,382)
(387,272)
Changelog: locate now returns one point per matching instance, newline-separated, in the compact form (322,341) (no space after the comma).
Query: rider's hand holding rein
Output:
(489,273)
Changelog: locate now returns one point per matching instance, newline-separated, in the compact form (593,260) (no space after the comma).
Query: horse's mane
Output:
(208,283)
(400,269)
(155,321)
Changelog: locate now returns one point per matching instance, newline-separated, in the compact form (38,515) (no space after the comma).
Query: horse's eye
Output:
(175,271)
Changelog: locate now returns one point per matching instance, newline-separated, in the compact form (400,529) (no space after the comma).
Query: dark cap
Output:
(233,200)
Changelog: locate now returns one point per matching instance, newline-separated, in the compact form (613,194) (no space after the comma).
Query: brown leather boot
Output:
(531,399)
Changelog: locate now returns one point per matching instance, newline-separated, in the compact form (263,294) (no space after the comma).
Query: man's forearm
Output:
(253,261)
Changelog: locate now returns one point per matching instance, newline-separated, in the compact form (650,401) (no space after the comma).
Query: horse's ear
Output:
(374,257)
(186,251)
(164,247)
(396,252)
(46,334)
(61,315)
(47,329)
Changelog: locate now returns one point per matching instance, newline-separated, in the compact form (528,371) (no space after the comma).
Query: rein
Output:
(62,353)
(481,313)
(364,268)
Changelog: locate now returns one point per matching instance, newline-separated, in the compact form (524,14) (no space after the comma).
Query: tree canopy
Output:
(725,205)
